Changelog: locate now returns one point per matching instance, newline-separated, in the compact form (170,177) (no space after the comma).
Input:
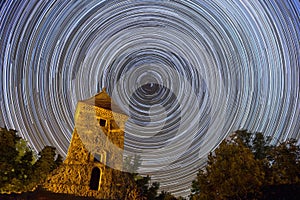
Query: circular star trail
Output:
(188,73)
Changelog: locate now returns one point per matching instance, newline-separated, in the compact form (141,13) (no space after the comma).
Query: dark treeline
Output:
(247,166)
(22,172)
(244,166)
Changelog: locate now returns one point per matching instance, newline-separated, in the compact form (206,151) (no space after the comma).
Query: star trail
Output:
(188,73)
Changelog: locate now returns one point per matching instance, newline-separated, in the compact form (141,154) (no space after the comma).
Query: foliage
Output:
(145,188)
(165,196)
(19,169)
(256,142)
(232,173)
(245,166)
(132,164)
(46,162)
(283,164)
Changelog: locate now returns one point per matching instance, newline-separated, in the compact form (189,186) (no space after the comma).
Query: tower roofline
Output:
(103,100)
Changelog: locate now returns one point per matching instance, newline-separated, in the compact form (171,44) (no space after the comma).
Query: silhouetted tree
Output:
(132,164)
(283,164)
(145,188)
(256,142)
(231,173)
(246,166)
(46,163)
(15,162)
(165,196)
(19,169)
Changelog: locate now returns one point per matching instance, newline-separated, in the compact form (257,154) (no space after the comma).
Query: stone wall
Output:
(90,139)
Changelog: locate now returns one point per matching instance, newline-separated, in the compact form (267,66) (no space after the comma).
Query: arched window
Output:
(95,179)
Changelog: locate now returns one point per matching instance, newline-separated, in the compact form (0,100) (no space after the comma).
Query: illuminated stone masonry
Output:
(94,160)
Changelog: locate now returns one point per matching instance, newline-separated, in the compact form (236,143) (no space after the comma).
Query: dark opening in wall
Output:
(95,179)
(102,122)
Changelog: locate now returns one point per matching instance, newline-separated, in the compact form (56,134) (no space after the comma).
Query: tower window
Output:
(102,122)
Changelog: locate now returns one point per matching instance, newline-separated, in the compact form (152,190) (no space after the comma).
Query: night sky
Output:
(188,73)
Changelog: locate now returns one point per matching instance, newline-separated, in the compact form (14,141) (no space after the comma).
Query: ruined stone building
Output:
(94,159)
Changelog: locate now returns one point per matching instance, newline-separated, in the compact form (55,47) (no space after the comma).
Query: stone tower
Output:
(94,159)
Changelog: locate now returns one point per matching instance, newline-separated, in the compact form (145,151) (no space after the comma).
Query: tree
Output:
(256,142)
(15,162)
(284,164)
(232,172)
(8,154)
(247,166)
(165,196)
(46,163)
(144,187)
(19,169)
(132,164)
